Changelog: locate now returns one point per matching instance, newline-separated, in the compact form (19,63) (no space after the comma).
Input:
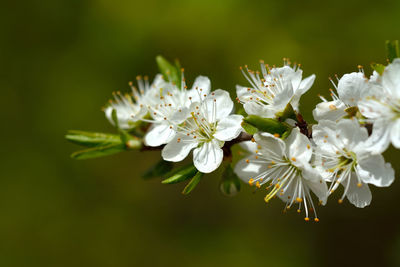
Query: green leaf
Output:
(91,139)
(242,112)
(230,183)
(98,151)
(170,72)
(193,183)
(269,125)
(392,50)
(157,170)
(180,174)
(379,68)
(250,129)
(287,113)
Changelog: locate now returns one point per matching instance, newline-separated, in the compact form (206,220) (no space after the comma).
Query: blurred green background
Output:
(60,61)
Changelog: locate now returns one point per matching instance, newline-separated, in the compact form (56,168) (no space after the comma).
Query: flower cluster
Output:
(300,163)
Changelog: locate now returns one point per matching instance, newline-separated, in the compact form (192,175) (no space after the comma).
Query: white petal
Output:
(318,187)
(322,132)
(245,170)
(208,157)
(201,87)
(217,105)
(358,196)
(255,108)
(249,146)
(178,148)
(351,86)
(159,134)
(395,133)
(229,128)
(350,133)
(374,170)
(282,98)
(241,90)
(391,78)
(270,145)
(380,137)
(330,110)
(305,84)
(298,147)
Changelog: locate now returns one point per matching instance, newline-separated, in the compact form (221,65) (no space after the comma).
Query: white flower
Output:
(273,89)
(342,156)
(284,166)
(133,107)
(381,107)
(350,89)
(206,131)
(170,107)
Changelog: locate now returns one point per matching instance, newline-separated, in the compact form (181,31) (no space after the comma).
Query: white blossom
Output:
(272,89)
(210,124)
(350,89)
(170,107)
(342,156)
(284,165)
(133,107)
(381,107)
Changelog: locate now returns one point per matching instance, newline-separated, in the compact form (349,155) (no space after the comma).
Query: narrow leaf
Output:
(287,113)
(269,125)
(180,174)
(98,151)
(193,183)
(159,169)
(392,50)
(91,139)
(250,129)
(169,71)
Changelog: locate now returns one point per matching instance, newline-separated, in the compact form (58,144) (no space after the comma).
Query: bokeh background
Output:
(60,61)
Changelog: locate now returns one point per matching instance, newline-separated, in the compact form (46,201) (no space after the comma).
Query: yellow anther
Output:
(276,135)
(316,219)
(359,184)
(340,201)
(258,184)
(308,146)
(298,199)
(247,161)
(293,159)
(306,219)
(298,211)
(251,181)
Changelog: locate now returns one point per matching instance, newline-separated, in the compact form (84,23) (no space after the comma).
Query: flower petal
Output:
(270,145)
(391,78)
(201,87)
(351,86)
(330,110)
(208,157)
(178,148)
(358,196)
(316,184)
(229,128)
(380,137)
(395,133)
(350,133)
(374,170)
(248,146)
(298,147)
(248,169)
(159,134)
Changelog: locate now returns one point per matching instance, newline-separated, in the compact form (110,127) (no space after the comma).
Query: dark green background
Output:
(60,61)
